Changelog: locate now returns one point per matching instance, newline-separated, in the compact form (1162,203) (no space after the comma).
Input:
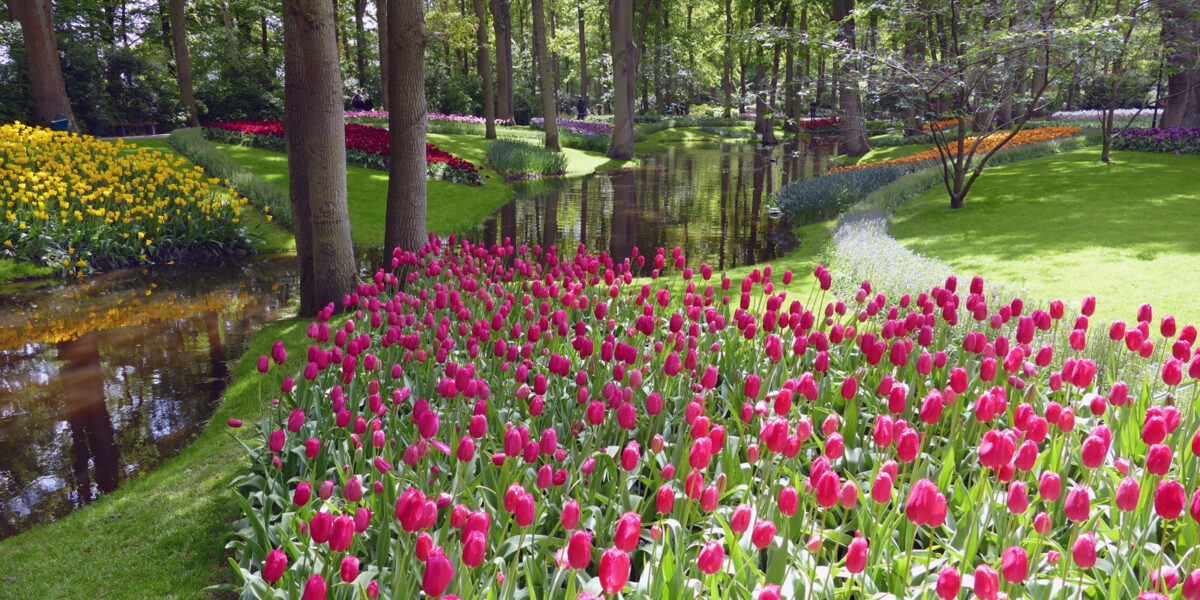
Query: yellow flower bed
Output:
(1023,138)
(83,204)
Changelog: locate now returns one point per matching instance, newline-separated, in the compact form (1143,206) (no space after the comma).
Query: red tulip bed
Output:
(365,146)
(515,423)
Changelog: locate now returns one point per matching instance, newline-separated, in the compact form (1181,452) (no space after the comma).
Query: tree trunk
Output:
(546,75)
(502,24)
(1180,33)
(227,22)
(360,41)
(691,85)
(760,100)
(727,79)
(266,48)
(485,71)
(789,81)
(583,72)
(381,19)
(50,100)
(1041,73)
(183,61)
(404,225)
(316,145)
(854,128)
(624,56)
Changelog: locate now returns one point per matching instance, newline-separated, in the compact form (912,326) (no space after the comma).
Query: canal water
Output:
(104,379)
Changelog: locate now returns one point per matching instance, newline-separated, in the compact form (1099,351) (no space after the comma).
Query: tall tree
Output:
(502,24)
(404,225)
(360,41)
(854,126)
(583,65)
(727,72)
(183,60)
(1180,39)
(381,19)
(50,100)
(485,70)
(545,74)
(316,148)
(624,57)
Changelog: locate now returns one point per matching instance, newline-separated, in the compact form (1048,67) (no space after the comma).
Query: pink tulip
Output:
(614,570)
(710,558)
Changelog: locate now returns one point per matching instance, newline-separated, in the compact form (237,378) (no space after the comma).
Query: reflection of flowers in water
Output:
(57,321)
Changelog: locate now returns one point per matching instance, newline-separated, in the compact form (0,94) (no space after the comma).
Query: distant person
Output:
(812,109)
(367,102)
(357,101)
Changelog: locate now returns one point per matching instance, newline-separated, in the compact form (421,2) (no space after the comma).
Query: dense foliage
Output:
(515,421)
(81,204)
(819,198)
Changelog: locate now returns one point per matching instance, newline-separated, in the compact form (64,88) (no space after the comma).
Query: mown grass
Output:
(661,140)
(160,535)
(889,153)
(1068,226)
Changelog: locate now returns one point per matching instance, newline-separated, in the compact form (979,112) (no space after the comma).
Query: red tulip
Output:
(1078,504)
(665,500)
(740,521)
(302,494)
(474,549)
(1050,486)
(948,583)
(1158,459)
(856,555)
(579,549)
(710,558)
(1169,499)
(1128,492)
(1014,564)
(628,532)
(314,589)
(987,583)
(570,514)
(789,501)
(1041,523)
(763,534)
(274,566)
(772,592)
(438,573)
(1092,452)
(614,570)
(1083,551)
(349,569)
(1018,499)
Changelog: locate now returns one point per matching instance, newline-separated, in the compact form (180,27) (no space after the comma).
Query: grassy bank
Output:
(1067,225)
(661,140)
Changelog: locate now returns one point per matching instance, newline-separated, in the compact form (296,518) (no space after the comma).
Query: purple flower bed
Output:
(1174,140)
(580,127)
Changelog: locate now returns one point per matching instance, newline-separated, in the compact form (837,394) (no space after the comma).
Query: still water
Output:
(714,202)
(105,379)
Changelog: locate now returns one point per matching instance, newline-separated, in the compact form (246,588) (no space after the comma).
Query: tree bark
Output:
(404,225)
(502,24)
(382,23)
(546,75)
(1180,34)
(360,41)
(316,145)
(854,128)
(583,66)
(485,71)
(624,53)
(1042,72)
(727,79)
(50,100)
(183,61)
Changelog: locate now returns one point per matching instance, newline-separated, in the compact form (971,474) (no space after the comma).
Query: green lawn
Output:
(1067,226)
(161,535)
(661,140)
(882,154)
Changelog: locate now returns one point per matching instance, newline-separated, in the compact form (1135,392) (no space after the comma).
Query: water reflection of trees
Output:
(78,417)
(713,203)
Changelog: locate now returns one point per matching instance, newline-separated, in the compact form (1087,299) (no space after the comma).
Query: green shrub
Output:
(260,192)
(512,158)
(811,200)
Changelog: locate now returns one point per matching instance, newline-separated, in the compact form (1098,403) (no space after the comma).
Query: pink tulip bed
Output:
(517,423)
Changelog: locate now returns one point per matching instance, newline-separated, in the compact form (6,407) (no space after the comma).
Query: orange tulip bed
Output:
(1023,138)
